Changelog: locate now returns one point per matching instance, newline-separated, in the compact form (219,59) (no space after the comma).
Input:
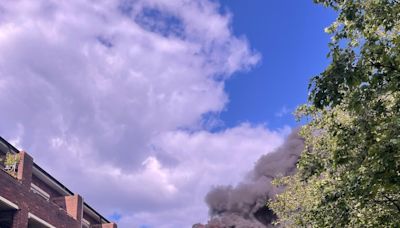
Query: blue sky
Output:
(162,99)
(290,37)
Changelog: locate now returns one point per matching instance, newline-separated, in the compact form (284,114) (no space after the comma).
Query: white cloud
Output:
(174,178)
(101,90)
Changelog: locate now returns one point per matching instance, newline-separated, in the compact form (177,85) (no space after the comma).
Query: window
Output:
(7,210)
(36,222)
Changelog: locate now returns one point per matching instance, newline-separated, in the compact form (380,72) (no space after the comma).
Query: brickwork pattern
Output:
(18,193)
(59,211)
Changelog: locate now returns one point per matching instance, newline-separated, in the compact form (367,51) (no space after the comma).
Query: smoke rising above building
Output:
(244,205)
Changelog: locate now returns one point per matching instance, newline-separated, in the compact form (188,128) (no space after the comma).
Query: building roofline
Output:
(58,183)
(10,147)
(52,179)
(102,219)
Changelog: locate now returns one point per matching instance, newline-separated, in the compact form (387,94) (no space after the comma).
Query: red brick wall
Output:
(74,206)
(60,211)
(60,201)
(53,193)
(91,219)
(108,225)
(25,166)
(18,193)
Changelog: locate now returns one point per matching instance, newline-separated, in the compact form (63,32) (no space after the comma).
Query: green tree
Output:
(349,173)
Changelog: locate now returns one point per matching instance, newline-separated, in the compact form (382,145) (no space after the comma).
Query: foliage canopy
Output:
(349,173)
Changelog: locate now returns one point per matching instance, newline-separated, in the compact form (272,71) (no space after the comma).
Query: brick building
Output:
(30,197)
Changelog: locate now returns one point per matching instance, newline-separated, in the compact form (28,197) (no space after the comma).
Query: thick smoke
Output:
(244,205)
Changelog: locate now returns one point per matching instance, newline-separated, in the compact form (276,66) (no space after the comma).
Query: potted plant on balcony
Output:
(11,163)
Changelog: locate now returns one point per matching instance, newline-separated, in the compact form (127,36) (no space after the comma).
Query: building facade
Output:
(32,198)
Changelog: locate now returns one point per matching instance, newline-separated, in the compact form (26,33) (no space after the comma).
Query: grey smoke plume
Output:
(244,206)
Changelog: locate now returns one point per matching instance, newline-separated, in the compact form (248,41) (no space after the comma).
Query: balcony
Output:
(30,197)
(9,158)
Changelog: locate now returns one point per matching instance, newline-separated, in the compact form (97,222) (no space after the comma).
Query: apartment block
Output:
(31,198)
